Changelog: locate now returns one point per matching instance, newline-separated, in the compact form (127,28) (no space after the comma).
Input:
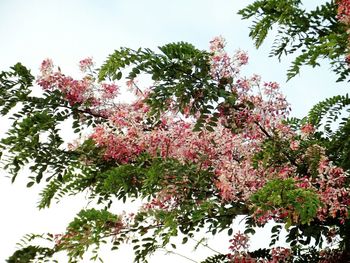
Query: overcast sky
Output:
(67,31)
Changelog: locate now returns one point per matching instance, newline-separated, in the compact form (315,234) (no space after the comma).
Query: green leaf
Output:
(30,184)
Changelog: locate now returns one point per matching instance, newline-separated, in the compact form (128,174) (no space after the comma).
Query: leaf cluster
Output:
(301,204)
(308,35)
(182,80)
(332,114)
(34,140)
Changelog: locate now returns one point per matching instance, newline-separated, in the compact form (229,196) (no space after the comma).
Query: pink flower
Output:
(294,145)
(239,241)
(323,166)
(217,43)
(46,66)
(344,11)
(241,57)
(99,135)
(85,64)
(286,172)
(280,254)
(109,90)
(304,182)
(307,129)
(347,59)
(271,88)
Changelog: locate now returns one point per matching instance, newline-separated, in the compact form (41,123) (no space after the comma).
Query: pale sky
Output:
(69,30)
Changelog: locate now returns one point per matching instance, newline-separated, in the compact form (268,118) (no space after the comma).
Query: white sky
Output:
(68,31)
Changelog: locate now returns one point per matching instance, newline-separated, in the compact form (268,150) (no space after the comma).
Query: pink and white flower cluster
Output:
(84,91)
(344,11)
(222,66)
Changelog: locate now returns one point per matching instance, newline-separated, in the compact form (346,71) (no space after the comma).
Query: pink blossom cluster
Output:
(173,138)
(239,242)
(110,90)
(334,195)
(242,257)
(122,146)
(237,177)
(278,254)
(75,91)
(331,256)
(46,67)
(277,215)
(330,186)
(61,239)
(163,202)
(222,65)
(307,129)
(344,11)
(294,145)
(221,62)
(86,64)
(265,120)
(83,92)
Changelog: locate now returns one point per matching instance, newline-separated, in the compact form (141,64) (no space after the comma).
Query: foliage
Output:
(310,35)
(283,194)
(29,253)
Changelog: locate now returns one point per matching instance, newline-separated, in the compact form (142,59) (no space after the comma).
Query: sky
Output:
(68,31)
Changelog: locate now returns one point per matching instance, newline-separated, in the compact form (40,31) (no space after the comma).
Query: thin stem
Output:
(263,129)
(205,245)
(137,87)
(180,255)
(83,111)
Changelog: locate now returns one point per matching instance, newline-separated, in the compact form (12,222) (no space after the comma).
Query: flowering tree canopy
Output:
(198,144)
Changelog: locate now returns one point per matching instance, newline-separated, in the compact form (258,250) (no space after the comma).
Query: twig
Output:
(180,255)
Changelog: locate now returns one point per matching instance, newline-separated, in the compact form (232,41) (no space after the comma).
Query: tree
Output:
(200,146)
